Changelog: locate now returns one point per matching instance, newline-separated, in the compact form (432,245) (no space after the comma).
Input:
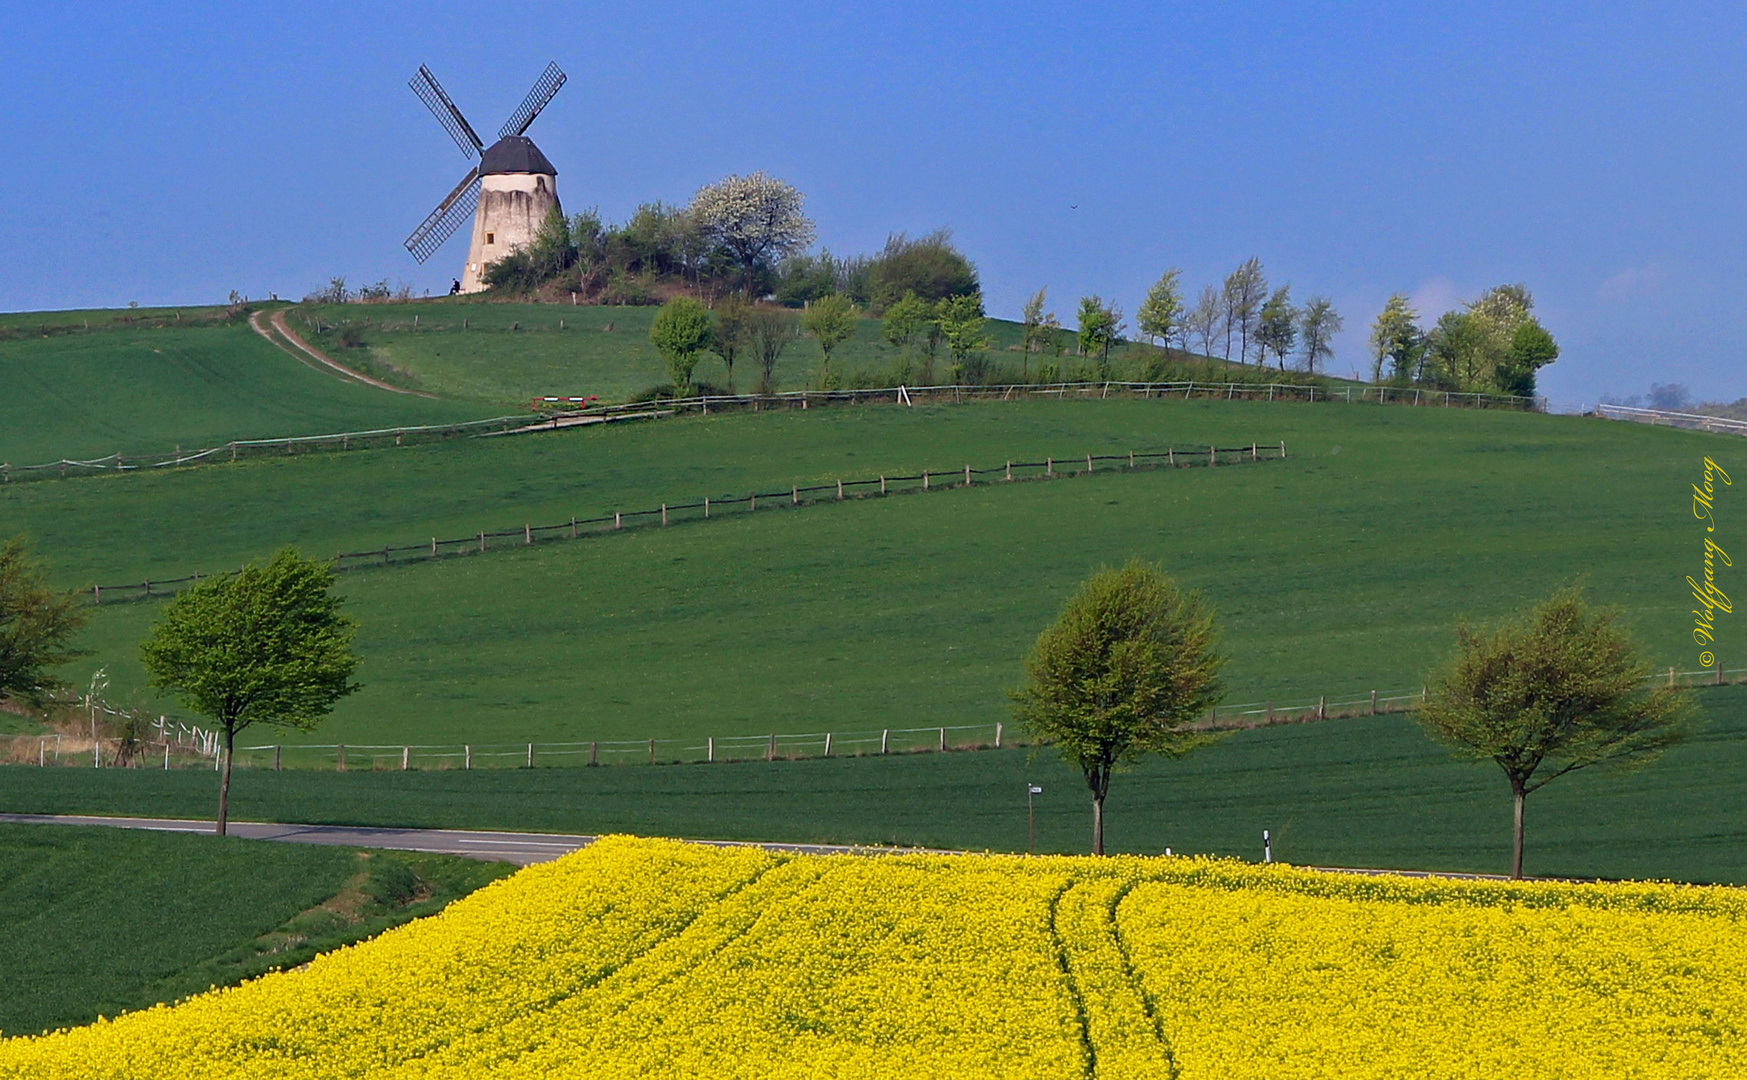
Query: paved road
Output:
(526,848)
(519,848)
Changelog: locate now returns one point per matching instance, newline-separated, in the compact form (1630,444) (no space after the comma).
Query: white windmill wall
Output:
(512,207)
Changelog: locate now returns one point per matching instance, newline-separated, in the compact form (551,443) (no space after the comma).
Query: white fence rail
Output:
(1666,418)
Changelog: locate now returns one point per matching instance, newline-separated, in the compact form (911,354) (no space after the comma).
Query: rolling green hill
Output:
(147,389)
(1339,570)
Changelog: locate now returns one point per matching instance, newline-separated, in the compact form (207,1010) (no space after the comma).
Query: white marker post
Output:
(1267,847)
(1031,792)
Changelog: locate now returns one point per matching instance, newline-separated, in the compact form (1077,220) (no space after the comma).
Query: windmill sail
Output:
(544,89)
(430,91)
(446,218)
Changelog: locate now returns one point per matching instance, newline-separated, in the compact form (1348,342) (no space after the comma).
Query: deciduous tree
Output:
(771,331)
(1125,670)
(1318,323)
(1277,327)
(757,217)
(829,320)
(732,332)
(1100,327)
(267,645)
(1241,303)
(679,332)
(1542,695)
(963,325)
(37,625)
(1205,318)
(1161,313)
(1397,338)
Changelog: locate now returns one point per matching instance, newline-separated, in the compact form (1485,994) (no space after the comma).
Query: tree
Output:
(931,267)
(1318,323)
(1531,348)
(1277,327)
(267,645)
(1241,303)
(771,331)
(904,320)
(1125,670)
(37,625)
(962,325)
(1161,313)
(1397,338)
(1457,350)
(732,332)
(679,332)
(1550,693)
(830,320)
(1203,320)
(756,217)
(1100,327)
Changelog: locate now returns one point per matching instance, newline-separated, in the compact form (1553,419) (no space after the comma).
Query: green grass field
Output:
(139,390)
(1337,571)
(1368,792)
(97,921)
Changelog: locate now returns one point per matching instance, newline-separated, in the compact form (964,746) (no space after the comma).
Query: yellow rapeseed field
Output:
(653,958)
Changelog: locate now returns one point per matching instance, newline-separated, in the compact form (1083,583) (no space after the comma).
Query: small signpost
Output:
(1031,792)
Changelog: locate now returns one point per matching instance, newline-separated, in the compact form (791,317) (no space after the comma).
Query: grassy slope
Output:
(146,390)
(1337,571)
(1372,792)
(101,920)
(511,353)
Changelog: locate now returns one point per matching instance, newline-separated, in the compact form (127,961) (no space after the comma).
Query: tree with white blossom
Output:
(756,217)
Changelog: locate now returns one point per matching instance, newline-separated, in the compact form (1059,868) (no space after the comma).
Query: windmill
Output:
(509,192)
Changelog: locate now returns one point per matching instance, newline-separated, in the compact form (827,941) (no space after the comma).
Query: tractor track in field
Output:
(277,331)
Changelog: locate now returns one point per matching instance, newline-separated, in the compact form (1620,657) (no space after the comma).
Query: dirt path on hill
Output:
(288,340)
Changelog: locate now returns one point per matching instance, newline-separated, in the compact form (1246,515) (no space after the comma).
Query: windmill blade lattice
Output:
(430,91)
(449,215)
(542,93)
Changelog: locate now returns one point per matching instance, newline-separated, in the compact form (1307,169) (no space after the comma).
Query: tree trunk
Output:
(224,782)
(1097,824)
(1516,848)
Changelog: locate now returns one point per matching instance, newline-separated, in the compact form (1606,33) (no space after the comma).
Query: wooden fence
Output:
(702,508)
(793,399)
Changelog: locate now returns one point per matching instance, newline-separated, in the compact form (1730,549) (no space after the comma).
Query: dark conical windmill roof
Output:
(514,154)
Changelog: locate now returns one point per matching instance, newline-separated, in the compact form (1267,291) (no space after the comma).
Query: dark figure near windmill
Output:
(455,287)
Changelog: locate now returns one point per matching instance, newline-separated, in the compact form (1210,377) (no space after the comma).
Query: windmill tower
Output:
(508,193)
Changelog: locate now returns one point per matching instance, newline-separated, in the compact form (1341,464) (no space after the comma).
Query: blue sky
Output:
(1591,151)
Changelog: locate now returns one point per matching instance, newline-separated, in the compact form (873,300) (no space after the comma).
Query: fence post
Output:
(1009,470)
(1088,462)
(924,479)
(1322,708)
(481,541)
(795,496)
(467,756)
(405,758)
(97,593)
(530,755)
(1373,703)
(712,750)
(706,506)
(1282,449)
(1270,714)
(1213,455)
(827,744)
(1171,456)
(651,751)
(167,756)
(276,750)
(573,526)
(594,753)
(882,485)
(1253,455)
(967,476)
(433,547)
(1131,459)
(997,734)
(840,489)
(1049,466)
(943,739)
(770,753)
(342,758)
(664,513)
(885,739)
(618,523)
(1719,671)
(527,533)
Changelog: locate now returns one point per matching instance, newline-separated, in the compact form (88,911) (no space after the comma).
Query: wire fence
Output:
(547,420)
(1666,418)
(198,747)
(706,507)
